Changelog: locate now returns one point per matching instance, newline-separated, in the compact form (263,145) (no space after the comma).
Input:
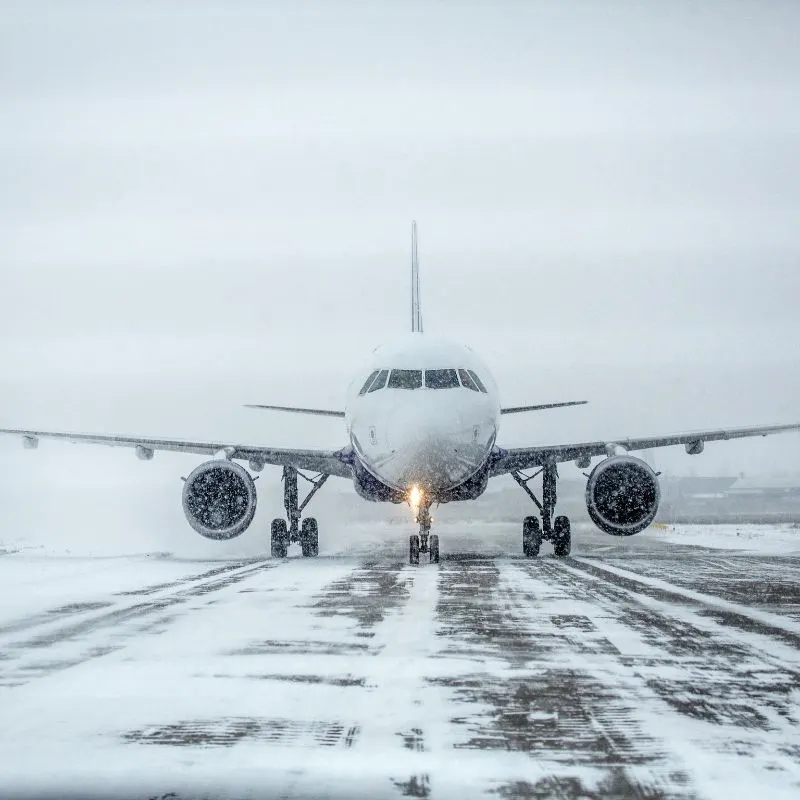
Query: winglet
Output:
(416,308)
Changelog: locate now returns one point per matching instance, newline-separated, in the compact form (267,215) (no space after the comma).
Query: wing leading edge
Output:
(329,462)
(528,457)
(542,406)
(319,412)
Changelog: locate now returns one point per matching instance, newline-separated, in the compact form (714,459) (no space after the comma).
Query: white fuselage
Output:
(434,436)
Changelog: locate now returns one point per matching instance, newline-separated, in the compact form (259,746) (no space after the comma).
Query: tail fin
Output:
(416,308)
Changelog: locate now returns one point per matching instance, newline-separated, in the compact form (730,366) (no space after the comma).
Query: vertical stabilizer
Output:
(416,308)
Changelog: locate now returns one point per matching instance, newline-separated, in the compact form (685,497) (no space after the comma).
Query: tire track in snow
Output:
(55,616)
(61,646)
(746,618)
(732,697)
(534,689)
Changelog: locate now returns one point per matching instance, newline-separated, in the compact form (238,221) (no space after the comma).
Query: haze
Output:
(205,205)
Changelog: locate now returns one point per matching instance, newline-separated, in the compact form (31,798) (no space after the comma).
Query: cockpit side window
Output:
(380,381)
(441,378)
(405,379)
(368,382)
(478,381)
(466,381)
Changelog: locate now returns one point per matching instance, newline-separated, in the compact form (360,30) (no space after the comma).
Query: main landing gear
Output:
(555,530)
(290,530)
(424,541)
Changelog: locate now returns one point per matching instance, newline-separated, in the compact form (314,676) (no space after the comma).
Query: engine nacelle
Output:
(219,499)
(622,495)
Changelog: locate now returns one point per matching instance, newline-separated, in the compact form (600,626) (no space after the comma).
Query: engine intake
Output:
(219,499)
(622,495)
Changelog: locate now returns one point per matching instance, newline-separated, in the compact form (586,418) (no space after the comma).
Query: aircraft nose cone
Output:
(433,455)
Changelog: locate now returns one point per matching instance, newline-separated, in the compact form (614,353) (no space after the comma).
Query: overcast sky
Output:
(208,204)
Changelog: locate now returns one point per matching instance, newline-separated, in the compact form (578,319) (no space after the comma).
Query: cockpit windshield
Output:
(413,379)
(405,379)
(441,378)
(478,381)
(466,381)
(368,381)
(380,381)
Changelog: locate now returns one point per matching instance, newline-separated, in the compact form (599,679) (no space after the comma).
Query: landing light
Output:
(415,496)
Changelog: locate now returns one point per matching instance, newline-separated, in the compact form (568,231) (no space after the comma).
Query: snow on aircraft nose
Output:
(434,453)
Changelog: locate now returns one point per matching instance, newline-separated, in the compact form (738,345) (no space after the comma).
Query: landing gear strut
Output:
(287,531)
(424,541)
(556,531)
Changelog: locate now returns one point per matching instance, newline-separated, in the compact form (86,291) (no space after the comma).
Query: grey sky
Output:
(207,204)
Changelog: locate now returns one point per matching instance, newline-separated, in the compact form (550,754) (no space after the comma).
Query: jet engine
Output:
(622,495)
(219,499)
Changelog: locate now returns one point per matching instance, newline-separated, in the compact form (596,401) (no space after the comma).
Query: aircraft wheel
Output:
(434,549)
(531,537)
(309,538)
(279,538)
(562,537)
(413,549)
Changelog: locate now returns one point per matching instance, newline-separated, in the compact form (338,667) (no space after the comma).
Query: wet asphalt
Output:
(631,669)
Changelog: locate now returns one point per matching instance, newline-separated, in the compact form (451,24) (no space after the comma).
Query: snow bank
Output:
(758,538)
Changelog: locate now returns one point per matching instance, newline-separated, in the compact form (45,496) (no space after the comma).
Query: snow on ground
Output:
(640,667)
(758,538)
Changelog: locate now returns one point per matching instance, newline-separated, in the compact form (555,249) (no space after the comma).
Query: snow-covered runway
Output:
(642,668)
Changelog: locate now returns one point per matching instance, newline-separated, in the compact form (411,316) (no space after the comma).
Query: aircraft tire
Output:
(531,537)
(279,539)
(309,538)
(413,550)
(562,537)
(434,549)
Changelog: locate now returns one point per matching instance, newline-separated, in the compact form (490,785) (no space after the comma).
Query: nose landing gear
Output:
(424,541)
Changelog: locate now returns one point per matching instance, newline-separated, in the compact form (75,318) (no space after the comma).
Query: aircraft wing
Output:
(528,457)
(542,407)
(320,412)
(325,461)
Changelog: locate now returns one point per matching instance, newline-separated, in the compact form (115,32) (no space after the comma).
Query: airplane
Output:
(422,420)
